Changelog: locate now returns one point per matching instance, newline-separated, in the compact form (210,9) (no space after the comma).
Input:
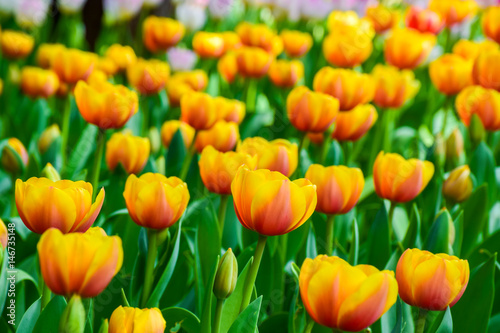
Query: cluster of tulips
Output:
(359,152)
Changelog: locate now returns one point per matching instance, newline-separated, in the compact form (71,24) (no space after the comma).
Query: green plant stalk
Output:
(218,315)
(46,295)
(65,129)
(329,234)
(96,170)
(378,140)
(150,265)
(389,125)
(124,299)
(221,216)
(448,106)
(309,326)
(392,234)
(251,95)
(420,325)
(327,140)
(187,160)
(252,274)
(145,115)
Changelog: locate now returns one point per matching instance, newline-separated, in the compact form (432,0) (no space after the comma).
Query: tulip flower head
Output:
(46,54)
(286,74)
(37,82)
(208,44)
(132,320)
(352,125)
(424,20)
(393,87)
(148,77)
(382,18)
(198,110)
(226,276)
(73,65)
(455,144)
(132,152)
(227,66)
(451,73)
(485,103)
(48,136)
(14,156)
(470,50)
(454,11)
(231,40)
(253,62)
(122,55)
(431,281)
(296,43)
(161,33)
(170,127)
(491,23)
(181,59)
(223,136)
(408,48)
(259,35)
(3,235)
(231,110)
(486,70)
(458,186)
(15,44)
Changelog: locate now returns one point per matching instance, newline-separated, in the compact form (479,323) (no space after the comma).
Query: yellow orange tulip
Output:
(258,35)
(175,90)
(48,136)
(106,66)
(486,70)
(400,180)
(197,79)
(10,161)
(277,155)
(231,41)
(253,62)
(230,109)
(424,20)
(345,297)
(470,50)
(408,48)
(135,320)
(348,49)
(16,44)
(223,136)
(148,76)
(122,55)
(338,21)
(198,110)
(65,205)
(79,263)
(382,18)
(132,152)
(431,281)
(269,203)
(3,235)
(393,87)
(161,33)
(338,187)
(455,144)
(491,23)
(286,74)
(72,65)
(352,125)
(483,102)
(454,11)
(208,44)
(227,66)
(46,53)
(458,186)
(451,73)
(37,82)
(155,201)
(296,43)
(349,87)
(218,169)
(311,111)
(170,127)
(104,104)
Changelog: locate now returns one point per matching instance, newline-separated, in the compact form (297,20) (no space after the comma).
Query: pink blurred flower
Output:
(220,8)
(31,13)
(181,59)
(121,10)
(70,6)
(193,16)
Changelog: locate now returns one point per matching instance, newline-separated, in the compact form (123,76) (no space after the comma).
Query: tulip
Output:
(382,18)
(14,156)
(161,33)
(470,50)
(132,320)
(352,125)
(451,73)
(170,127)
(455,145)
(400,180)
(64,205)
(485,103)
(197,79)
(348,49)
(230,109)
(155,201)
(208,44)
(311,111)
(296,43)
(50,172)
(486,70)
(176,89)
(132,152)
(349,87)
(122,55)
(339,21)
(106,66)
(46,53)
(458,186)
(277,155)
(79,263)
(345,297)
(454,11)
(15,44)
(231,41)
(223,136)
(73,318)
(227,66)
(198,110)
(431,281)
(424,20)
(49,135)
(253,62)
(218,169)
(286,74)
(37,82)
(73,65)
(491,23)
(258,35)
(408,48)
(393,87)
(104,104)
(148,76)
(226,276)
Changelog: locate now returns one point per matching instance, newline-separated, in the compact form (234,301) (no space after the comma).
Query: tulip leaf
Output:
(475,212)
(412,233)
(20,228)
(485,249)
(3,277)
(277,322)
(28,321)
(353,251)
(81,152)
(311,251)
(206,312)
(459,233)
(181,318)
(443,323)
(53,154)
(472,312)
(379,247)
(50,316)
(482,165)
(175,155)
(161,285)
(438,238)
(247,320)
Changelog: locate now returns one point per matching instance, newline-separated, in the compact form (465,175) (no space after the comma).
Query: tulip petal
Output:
(91,215)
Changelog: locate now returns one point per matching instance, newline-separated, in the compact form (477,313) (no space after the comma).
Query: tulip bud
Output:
(458,186)
(154,139)
(104,327)
(16,44)
(51,173)
(476,130)
(14,156)
(49,135)
(440,150)
(160,165)
(3,238)
(455,144)
(227,275)
(73,317)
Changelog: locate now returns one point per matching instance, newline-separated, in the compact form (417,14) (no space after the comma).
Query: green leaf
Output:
(183,318)
(311,251)
(482,165)
(379,247)
(475,212)
(277,322)
(83,149)
(175,155)
(459,233)
(30,317)
(247,320)
(443,323)
(206,312)
(3,284)
(438,238)
(50,316)
(398,326)
(353,251)
(413,232)
(485,249)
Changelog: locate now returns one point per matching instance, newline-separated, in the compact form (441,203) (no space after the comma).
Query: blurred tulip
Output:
(393,87)
(122,55)
(170,127)
(120,10)
(277,155)
(338,187)
(79,263)
(220,9)
(348,49)
(226,276)
(345,297)
(106,66)
(14,154)
(296,43)
(269,203)
(223,136)
(400,180)
(46,53)
(181,59)
(161,33)
(455,144)
(311,111)
(286,73)
(175,90)
(231,40)
(73,318)
(431,281)
(198,110)
(338,21)
(227,66)
(491,23)
(64,205)
(352,125)
(253,62)
(485,103)
(132,152)
(104,104)
(217,169)
(31,14)
(134,320)
(454,11)
(486,70)
(3,237)
(208,44)
(72,65)
(16,44)
(382,18)
(191,14)
(408,48)
(424,20)
(349,87)
(37,82)
(258,35)
(470,50)
(155,201)
(148,77)
(196,79)
(50,172)
(451,73)
(231,110)
(458,186)
(48,136)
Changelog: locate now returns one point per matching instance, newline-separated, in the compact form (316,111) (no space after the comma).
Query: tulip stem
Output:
(329,234)
(448,106)
(252,274)
(187,161)
(65,129)
(218,315)
(251,95)
(221,217)
(422,316)
(150,265)
(325,147)
(124,299)
(101,140)
(46,295)
(309,327)
(144,103)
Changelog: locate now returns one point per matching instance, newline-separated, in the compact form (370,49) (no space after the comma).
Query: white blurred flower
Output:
(418,3)
(70,6)
(488,3)
(6,6)
(192,16)
(121,10)
(31,13)
(462,30)
(181,59)
(220,8)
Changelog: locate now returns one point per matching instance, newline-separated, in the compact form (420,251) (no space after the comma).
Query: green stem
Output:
(390,217)
(420,326)
(251,95)
(145,115)
(448,42)
(218,315)
(448,105)
(124,299)
(388,129)
(252,274)
(187,160)
(309,327)
(327,140)
(150,265)
(46,295)
(65,129)
(221,217)
(377,139)
(329,234)
(101,141)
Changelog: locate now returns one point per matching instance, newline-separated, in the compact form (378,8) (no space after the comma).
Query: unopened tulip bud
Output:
(51,173)
(455,144)
(458,186)
(440,149)
(154,139)
(49,135)
(14,156)
(104,327)
(73,317)
(3,238)
(476,129)
(227,275)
